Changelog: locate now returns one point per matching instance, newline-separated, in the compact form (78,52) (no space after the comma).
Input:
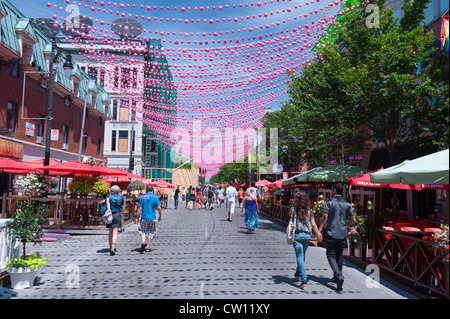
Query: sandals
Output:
(149,249)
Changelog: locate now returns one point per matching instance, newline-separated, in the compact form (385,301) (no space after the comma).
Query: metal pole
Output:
(82,122)
(50,109)
(131,143)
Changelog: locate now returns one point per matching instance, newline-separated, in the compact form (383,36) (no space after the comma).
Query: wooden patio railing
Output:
(75,212)
(412,258)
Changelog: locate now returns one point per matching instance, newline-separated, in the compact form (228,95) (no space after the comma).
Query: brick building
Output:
(25,54)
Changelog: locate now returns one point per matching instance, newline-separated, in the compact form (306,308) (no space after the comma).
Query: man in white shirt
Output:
(231,197)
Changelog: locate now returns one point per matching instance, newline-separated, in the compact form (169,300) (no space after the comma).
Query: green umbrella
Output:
(298,179)
(330,174)
(429,169)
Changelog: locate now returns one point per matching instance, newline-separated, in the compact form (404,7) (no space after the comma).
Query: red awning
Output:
(8,165)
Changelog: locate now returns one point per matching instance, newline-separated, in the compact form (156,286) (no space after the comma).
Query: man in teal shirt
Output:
(146,218)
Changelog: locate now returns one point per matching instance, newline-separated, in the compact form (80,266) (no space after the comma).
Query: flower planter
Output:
(22,278)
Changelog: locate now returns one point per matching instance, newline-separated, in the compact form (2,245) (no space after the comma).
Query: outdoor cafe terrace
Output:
(400,243)
(77,210)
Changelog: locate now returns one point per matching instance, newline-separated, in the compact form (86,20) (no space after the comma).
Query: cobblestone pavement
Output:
(197,255)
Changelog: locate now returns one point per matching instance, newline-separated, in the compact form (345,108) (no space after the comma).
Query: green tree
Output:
(231,172)
(365,87)
(26,224)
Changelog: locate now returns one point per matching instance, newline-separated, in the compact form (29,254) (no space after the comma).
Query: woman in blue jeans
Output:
(305,224)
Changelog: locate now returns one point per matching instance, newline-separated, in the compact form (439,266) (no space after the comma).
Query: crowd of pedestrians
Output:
(338,214)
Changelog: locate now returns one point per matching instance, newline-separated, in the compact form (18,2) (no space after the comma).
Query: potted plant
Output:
(135,186)
(361,233)
(100,187)
(26,227)
(442,241)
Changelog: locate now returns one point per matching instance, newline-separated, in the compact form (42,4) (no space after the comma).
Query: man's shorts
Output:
(232,204)
(147,228)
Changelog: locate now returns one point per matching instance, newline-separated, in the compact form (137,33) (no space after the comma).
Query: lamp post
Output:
(68,68)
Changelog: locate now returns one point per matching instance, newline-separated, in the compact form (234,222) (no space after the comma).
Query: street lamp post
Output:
(68,68)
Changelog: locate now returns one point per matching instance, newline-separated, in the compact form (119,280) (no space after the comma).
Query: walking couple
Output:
(340,216)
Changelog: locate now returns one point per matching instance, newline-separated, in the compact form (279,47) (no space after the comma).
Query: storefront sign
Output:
(10,148)
(29,129)
(55,135)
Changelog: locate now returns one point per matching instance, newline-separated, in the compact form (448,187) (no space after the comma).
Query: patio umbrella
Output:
(278,183)
(40,162)
(336,173)
(75,168)
(429,169)
(161,184)
(298,178)
(129,176)
(262,183)
(8,165)
(364,180)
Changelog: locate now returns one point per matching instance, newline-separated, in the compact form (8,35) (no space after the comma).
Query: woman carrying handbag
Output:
(304,225)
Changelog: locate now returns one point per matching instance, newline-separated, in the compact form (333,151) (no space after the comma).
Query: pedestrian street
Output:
(197,255)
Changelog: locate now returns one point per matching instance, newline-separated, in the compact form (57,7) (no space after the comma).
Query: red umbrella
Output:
(40,162)
(75,168)
(262,183)
(161,184)
(8,165)
(364,181)
(127,177)
(108,171)
(112,179)
(277,184)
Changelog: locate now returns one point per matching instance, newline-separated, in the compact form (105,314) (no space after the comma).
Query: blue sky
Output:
(249,51)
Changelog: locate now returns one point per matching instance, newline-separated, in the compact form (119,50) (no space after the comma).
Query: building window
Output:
(65,134)
(116,77)
(84,145)
(102,78)
(135,73)
(123,141)
(15,67)
(113,141)
(133,110)
(125,78)
(11,118)
(123,116)
(114,110)
(99,145)
(93,73)
(99,121)
(40,124)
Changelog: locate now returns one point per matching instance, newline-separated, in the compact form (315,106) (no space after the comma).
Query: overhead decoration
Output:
(200,76)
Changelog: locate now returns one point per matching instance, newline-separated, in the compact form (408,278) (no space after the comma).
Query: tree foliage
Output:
(365,88)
